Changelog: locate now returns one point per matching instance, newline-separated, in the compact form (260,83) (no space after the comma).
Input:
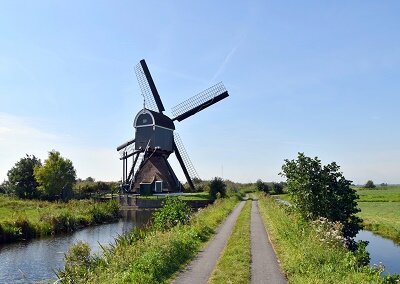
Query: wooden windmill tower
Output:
(155,140)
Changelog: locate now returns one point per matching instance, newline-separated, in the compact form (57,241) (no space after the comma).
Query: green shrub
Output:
(262,186)
(77,263)
(173,212)
(322,191)
(277,188)
(369,184)
(217,188)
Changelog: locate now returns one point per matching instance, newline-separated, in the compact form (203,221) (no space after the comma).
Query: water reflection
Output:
(382,251)
(37,260)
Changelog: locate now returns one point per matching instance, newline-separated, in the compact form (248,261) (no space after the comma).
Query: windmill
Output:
(155,140)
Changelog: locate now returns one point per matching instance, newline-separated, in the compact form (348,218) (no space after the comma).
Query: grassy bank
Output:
(147,255)
(380,210)
(25,219)
(304,257)
(234,264)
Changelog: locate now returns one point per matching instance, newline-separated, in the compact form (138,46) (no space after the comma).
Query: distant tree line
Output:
(273,187)
(54,179)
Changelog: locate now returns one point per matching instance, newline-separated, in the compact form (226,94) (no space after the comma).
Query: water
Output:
(36,261)
(382,251)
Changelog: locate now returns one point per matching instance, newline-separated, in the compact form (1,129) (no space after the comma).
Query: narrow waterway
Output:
(37,260)
(382,252)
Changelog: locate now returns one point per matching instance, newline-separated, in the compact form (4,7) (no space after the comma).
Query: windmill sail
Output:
(184,160)
(199,102)
(148,88)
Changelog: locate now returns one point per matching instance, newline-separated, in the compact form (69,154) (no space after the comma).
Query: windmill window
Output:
(144,120)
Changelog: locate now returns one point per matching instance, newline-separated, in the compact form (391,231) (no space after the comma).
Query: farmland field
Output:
(380,210)
(380,194)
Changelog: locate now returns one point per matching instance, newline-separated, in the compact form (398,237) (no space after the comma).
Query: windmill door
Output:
(158,186)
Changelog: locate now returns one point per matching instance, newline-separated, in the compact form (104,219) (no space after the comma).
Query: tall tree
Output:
(322,191)
(56,177)
(21,180)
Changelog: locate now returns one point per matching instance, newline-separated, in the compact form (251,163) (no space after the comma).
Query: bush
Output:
(77,263)
(217,188)
(370,184)
(262,186)
(322,191)
(277,188)
(173,212)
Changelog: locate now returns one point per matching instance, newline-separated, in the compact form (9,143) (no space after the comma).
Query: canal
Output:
(37,260)
(382,252)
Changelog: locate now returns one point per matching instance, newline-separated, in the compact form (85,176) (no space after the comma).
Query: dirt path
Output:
(264,264)
(199,270)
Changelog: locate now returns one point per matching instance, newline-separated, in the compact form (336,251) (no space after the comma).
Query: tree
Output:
(21,180)
(262,186)
(217,187)
(277,187)
(370,184)
(89,179)
(322,191)
(56,177)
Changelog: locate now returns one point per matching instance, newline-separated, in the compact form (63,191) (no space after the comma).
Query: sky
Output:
(319,77)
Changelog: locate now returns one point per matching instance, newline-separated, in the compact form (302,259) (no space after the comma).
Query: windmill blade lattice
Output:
(148,88)
(185,157)
(200,101)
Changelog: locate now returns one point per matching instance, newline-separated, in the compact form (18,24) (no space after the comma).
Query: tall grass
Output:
(148,255)
(303,256)
(25,219)
(234,263)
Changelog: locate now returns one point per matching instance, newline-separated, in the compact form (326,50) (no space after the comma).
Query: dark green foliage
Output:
(391,279)
(21,180)
(5,188)
(361,254)
(322,191)
(217,188)
(173,212)
(370,184)
(277,188)
(77,262)
(56,177)
(383,184)
(262,186)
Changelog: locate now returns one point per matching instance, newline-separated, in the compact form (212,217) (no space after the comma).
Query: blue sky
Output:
(320,77)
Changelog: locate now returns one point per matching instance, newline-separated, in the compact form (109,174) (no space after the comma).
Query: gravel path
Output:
(199,270)
(264,264)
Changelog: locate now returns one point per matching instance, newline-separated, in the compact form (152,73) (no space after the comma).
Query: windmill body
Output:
(146,156)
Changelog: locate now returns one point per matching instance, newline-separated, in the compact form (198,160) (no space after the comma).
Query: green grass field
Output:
(23,219)
(380,210)
(380,194)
